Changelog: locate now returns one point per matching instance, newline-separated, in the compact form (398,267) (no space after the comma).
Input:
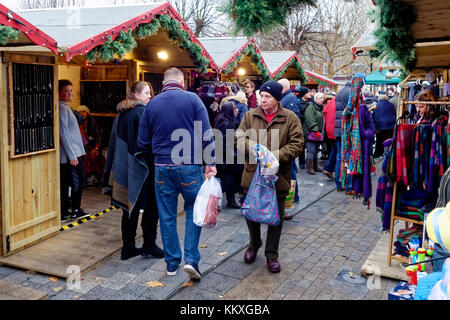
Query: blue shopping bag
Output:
(261,204)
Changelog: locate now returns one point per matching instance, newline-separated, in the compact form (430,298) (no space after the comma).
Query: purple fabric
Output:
(362,183)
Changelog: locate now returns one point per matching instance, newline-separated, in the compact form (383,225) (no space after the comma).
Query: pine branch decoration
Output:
(251,16)
(394,38)
(7,34)
(125,42)
(297,66)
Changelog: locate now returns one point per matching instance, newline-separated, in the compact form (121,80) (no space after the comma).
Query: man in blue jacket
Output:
(175,133)
(289,101)
(384,119)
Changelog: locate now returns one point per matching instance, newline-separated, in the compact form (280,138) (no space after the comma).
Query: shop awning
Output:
(227,52)
(38,37)
(79,30)
(365,43)
(380,77)
(320,78)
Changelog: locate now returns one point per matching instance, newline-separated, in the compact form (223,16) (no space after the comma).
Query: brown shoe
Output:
(288,216)
(250,255)
(310,166)
(273,265)
(328,174)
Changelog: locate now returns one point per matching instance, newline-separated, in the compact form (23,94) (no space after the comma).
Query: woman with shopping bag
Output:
(282,124)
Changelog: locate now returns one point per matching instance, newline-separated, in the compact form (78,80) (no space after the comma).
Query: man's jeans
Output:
(170,181)
(331,164)
(337,173)
(294,177)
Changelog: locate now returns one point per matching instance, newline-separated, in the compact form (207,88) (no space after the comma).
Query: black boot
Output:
(151,251)
(129,252)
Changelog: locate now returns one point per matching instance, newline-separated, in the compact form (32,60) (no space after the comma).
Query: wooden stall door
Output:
(29,183)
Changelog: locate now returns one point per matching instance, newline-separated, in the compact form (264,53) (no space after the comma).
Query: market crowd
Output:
(142,175)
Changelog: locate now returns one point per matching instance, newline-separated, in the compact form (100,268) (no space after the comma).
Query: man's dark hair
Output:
(63,83)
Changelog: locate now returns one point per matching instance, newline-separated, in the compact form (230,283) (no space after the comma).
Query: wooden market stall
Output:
(29,126)
(431,36)
(150,39)
(318,81)
(238,59)
(285,64)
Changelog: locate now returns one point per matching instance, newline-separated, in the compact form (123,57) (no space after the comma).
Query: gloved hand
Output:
(318,135)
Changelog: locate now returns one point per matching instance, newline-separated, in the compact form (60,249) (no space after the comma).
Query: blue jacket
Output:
(168,125)
(242,109)
(385,116)
(289,101)
(341,103)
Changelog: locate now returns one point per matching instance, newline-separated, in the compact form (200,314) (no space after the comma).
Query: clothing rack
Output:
(394,217)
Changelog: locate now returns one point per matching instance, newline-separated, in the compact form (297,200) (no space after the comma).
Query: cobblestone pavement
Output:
(330,235)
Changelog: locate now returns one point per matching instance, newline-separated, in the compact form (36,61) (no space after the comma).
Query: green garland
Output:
(251,16)
(319,81)
(394,38)
(111,50)
(250,51)
(125,42)
(7,34)
(297,66)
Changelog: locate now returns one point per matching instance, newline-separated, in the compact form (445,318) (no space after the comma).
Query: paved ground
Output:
(330,236)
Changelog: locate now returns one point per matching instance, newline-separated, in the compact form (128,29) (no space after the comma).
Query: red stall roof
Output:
(90,27)
(36,36)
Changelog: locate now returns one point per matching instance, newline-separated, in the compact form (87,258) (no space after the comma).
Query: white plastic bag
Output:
(207,203)
(269,163)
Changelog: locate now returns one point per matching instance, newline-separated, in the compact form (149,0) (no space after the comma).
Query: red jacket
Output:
(329,114)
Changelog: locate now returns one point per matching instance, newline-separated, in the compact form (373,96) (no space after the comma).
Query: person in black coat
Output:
(126,131)
(304,97)
(229,173)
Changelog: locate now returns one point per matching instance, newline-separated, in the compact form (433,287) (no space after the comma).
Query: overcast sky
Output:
(14,4)
(11,4)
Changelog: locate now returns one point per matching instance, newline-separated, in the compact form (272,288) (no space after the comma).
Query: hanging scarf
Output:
(351,140)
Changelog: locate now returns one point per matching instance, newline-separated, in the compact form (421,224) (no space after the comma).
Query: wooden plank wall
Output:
(3,135)
(30,184)
(71,73)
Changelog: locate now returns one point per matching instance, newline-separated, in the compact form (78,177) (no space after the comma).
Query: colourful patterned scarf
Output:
(351,140)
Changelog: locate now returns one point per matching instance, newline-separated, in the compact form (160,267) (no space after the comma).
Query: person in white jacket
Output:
(71,151)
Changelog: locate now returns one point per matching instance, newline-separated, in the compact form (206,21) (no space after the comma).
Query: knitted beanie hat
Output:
(301,90)
(273,88)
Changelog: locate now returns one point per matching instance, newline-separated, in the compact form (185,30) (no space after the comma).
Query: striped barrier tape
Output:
(85,219)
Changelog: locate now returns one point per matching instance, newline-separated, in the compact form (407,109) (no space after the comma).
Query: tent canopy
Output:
(378,77)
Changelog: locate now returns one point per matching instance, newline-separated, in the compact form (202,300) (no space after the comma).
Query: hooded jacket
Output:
(240,100)
(127,173)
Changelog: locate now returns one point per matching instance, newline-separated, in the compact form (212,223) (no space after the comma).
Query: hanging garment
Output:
(362,182)
(351,163)
(385,192)
(404,149)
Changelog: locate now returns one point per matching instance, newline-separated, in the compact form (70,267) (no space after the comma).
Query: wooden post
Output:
(391,228)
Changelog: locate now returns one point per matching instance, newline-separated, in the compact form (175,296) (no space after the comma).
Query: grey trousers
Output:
(312,148)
